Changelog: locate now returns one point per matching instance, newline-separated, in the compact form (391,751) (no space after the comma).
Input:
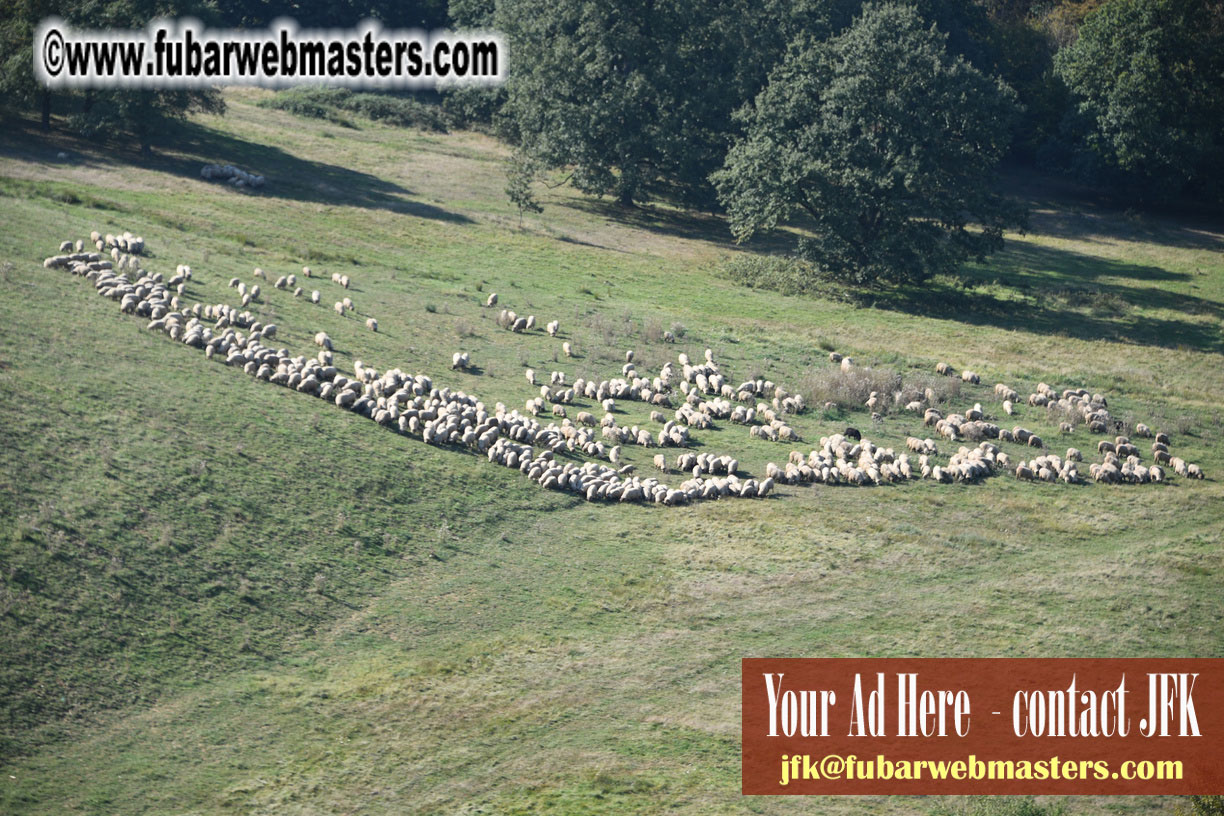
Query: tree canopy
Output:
(1148,79)
(885,142)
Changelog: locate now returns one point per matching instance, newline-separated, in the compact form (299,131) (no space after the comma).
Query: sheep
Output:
(847,363)
(491,300)
(565,347)
(669,337)
(372,324)
(314,296)
(970,377)
(259,273)
(344,281)
(306,271)
(553,327)
(339,307)
(348,304)
(531,376)
(460,360)
(321,339)
(1195,472)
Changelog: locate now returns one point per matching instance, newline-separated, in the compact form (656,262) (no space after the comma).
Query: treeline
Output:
(148,117)
(639,96)
(879,125)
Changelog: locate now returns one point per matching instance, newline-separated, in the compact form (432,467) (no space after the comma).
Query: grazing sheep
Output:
(553,327)
(847,363)
(372,324)
(314,297)
(669,337)
(348,304)
(344,281)
(460,360)
(565,347)
(491,300)
(339,307)
(321,339)
(1008,408)
(259,273)
(306,271)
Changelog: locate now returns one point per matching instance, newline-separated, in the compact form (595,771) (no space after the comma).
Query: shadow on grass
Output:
(194,145)
(693,226)
(1058,292)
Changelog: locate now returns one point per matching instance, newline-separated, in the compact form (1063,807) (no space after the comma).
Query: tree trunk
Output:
(46,110)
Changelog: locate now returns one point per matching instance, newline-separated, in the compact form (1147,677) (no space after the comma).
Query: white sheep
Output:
(492,299)
(314,296)
(565,347)
(372,324)
(339,307)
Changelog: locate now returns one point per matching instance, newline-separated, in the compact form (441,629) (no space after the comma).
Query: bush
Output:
(329,103)
(777,273)
(849,389)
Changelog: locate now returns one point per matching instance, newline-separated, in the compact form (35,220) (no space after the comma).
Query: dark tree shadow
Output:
(194,145)
(1058,292)
(690,225)
(1065,208)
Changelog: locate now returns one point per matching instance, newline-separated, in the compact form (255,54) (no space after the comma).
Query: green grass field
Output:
(222,596)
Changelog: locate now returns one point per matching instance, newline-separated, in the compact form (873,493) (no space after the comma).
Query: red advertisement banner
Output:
(983,726)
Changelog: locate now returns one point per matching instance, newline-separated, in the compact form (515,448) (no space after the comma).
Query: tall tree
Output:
(1148,77)
(886,143)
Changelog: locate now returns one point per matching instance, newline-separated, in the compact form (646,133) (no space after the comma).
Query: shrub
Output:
(328,103)
(790,276)
(849,389)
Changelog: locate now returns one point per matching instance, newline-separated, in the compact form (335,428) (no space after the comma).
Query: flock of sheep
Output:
(695,394)
(231,174)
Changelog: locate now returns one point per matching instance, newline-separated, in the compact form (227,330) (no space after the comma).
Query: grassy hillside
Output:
(218,595)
